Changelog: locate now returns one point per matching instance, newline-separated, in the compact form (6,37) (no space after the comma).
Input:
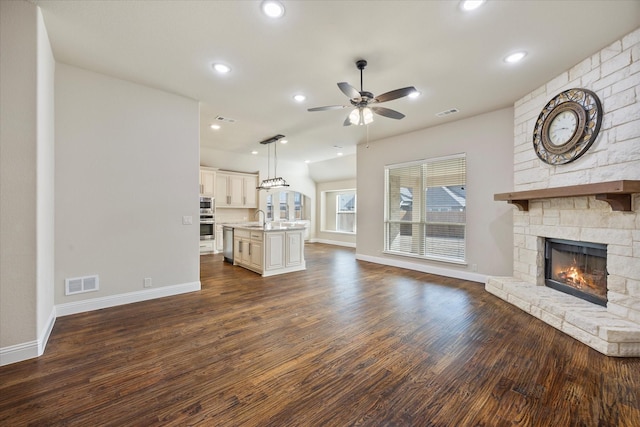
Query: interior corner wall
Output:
(487,140)
(45,185)
(18,178)
(127,171)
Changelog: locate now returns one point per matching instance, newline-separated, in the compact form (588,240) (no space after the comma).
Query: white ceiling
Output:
(455,59)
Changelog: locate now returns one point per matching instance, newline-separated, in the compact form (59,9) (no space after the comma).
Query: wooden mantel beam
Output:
(616,193)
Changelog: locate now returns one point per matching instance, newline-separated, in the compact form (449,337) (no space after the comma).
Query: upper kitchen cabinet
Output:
(207,182)
(236,190)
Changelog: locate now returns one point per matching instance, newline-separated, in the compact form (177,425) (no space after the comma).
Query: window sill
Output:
(348,233)
(427,258)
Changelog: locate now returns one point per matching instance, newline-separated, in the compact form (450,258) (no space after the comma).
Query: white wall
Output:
(487,140)
(126,173)
(337,169)
(45,181)
(26,177)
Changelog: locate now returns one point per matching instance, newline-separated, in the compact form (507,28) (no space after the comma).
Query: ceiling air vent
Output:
(225,119)
(78,285)
(447,112)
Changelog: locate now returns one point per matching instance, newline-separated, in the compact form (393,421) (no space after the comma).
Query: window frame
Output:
(419,248)
(334,194)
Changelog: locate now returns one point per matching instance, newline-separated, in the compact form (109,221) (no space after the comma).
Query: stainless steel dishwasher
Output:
(227,243)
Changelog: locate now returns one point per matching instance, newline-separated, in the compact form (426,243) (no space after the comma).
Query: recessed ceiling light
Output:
(254,152)
(339,154)
(221,68)
(215,127)
(515,57)
(272,8)
(283,141)
(299,97)
(307,161)
(469,5)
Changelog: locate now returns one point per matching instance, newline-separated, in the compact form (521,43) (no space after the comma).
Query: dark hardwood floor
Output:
(342,343)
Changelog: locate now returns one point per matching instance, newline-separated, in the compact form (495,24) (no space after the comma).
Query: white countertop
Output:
(268,227)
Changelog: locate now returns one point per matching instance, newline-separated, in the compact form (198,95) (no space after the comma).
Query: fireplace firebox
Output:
(577,268)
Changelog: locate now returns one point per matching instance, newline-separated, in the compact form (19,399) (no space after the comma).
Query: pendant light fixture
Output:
(276,181)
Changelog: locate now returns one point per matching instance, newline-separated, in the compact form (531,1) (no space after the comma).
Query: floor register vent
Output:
(78,285)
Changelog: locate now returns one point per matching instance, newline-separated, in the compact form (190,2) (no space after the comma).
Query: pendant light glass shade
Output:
(276,182)
(361,116)
(268,184)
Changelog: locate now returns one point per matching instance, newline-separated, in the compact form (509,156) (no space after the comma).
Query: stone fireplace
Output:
(612,329)
(594,199)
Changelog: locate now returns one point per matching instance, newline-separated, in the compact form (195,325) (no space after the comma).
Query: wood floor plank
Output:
(343,343)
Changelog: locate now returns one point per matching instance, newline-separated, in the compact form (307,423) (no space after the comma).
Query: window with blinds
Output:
(425,208)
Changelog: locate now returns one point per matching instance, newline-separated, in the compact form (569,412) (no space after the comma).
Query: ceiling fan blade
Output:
(348,90)
(328,107)
(387,112)
(395,94)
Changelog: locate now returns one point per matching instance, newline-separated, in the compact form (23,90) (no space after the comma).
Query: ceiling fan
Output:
(364,102)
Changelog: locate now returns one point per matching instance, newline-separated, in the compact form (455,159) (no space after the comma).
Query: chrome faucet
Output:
(264,217)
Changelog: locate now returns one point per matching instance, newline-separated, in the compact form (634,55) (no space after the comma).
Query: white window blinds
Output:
(425,208)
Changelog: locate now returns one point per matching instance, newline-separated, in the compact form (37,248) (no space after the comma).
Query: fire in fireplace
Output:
(577,268)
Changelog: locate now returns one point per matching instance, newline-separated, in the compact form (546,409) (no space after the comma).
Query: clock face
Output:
(567,126)
(563,127)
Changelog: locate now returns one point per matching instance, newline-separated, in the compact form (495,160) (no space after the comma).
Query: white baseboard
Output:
(440,271)
(28,350)
(333,242)
(128,298)
(31,349)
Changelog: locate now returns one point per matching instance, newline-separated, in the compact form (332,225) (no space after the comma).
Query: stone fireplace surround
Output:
(614,330)
(613,73)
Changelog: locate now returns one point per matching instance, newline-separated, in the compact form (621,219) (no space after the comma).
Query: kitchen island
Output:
(269,250)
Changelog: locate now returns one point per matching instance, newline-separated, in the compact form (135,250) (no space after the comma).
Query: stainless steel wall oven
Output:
(207,218)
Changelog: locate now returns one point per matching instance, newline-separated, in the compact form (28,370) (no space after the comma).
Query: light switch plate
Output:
(187,220)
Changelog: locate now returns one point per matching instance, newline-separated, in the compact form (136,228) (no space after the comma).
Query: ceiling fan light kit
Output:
(365,102)
(361,116)
(276,181)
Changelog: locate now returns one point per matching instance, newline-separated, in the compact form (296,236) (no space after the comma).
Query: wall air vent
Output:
(225,119)
(78,285)
(447,112)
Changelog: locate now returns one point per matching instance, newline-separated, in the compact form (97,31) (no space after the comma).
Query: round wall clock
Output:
(567,126)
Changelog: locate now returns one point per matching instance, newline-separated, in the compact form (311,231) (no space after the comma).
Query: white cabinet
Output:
(219,244)
(255,253)
(207,182)
(250,192)
(247,249)
(274,250)
(283,252)
(236,190)
(206,247)
(269,252)
(294,254)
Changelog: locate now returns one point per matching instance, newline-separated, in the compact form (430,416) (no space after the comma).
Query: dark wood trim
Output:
(616,193)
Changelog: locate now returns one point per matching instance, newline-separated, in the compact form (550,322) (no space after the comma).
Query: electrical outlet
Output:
(187,220)
(147,282)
